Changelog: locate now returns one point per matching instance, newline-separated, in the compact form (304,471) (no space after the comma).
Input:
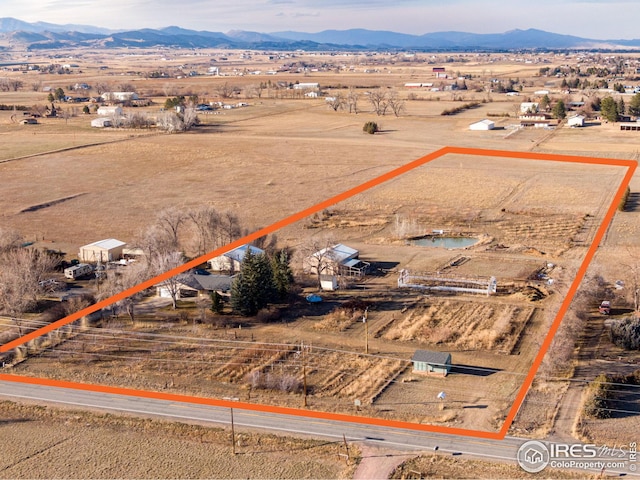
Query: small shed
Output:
(431,363)
(328,282)
(576,121)
(106,250)
(485,124)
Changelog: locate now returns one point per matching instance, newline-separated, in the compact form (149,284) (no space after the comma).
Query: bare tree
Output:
(101,87)
(170,219)
(22,272)
(9,239)
(118,280)
(396,104)
(227,91)
(379,101)
(337,102)
(163,263)
(352,100)
(15,84)
(205,221)
(36,85)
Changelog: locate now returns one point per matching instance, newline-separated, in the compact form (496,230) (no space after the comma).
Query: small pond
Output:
(444,242)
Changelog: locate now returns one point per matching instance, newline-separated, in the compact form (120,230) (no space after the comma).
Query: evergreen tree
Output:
(634,105)
(609,109)
(621,106)
(559,110)
(544,102)
(253,288)
(282,275)
(216,302)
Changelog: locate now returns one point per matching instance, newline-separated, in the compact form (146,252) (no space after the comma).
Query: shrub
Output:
(597,396)
(623,200)
(370,127)
(626,333)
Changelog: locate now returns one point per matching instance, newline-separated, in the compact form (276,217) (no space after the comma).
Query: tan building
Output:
(107,250)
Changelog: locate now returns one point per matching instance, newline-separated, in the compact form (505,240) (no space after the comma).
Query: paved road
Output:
(386,437)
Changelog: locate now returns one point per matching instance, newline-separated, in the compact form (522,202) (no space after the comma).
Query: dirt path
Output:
(377,463)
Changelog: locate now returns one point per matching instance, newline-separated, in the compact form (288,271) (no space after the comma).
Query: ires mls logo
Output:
(533,456)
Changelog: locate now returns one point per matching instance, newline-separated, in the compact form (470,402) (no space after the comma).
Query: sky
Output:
(598,19)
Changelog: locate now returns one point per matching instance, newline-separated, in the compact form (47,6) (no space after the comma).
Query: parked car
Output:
(605,307)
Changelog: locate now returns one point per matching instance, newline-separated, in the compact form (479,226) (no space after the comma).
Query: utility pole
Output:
(233,430)
(366,330)
(304,375)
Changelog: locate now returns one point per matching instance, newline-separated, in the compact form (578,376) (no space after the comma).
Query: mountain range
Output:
(41,35)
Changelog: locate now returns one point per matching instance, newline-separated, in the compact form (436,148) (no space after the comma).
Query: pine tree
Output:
(634,105)
(559,110)
(282,275)
(253,288)
(609,109)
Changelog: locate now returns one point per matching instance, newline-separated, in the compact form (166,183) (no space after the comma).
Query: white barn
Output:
(106,250)
(482,125)
(110,111)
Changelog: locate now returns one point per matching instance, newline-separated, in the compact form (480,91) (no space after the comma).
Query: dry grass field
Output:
(279,155)
(39,442)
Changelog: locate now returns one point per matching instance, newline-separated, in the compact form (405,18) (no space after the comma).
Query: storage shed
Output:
(431,363)
(485,124)
(576,121)
(101,122)
(106,250)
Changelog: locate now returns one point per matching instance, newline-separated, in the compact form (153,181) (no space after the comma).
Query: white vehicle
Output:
(77,271)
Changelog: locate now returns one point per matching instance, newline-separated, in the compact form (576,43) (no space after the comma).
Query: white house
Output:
(482,125)
(231,261)
(529,107)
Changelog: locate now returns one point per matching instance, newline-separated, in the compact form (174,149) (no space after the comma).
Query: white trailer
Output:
(77,271)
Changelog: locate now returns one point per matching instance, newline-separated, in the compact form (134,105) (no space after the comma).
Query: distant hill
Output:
(41,35)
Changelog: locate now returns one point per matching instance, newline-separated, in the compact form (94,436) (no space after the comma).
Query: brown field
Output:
(281,154)
(41,442)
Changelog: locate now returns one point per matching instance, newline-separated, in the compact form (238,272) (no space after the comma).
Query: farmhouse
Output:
(231,261)
(337,260)
(528,107)
(106,250)
(431,363)
(194,285)
(482,125)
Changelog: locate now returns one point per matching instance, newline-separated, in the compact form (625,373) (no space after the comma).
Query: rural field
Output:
(66,184)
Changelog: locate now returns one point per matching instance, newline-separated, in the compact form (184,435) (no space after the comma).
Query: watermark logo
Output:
(533,456)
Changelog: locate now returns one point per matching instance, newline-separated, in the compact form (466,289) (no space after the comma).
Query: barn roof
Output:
(239,253)
(434,358)
(106,244)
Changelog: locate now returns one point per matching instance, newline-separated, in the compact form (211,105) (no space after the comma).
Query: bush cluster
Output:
(370,127)
(626,333)
(274,381)
(462,108)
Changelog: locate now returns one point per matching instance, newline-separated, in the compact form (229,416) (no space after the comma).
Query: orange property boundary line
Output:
(628,164)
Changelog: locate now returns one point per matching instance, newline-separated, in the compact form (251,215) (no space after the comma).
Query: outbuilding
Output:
(107,250)
(485,124)
(101,122)
(576,121)
(431,363)
(113,111)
